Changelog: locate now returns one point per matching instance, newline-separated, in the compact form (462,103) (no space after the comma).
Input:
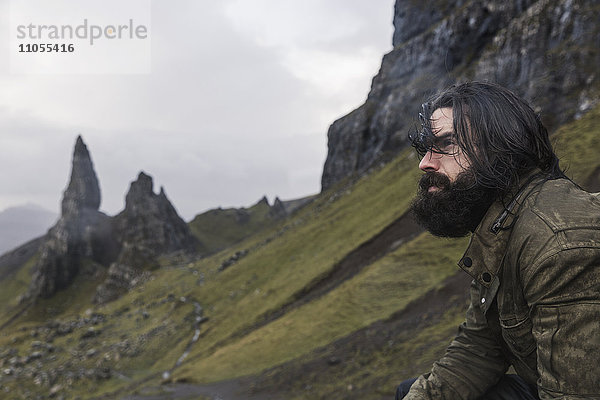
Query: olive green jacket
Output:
(535,298)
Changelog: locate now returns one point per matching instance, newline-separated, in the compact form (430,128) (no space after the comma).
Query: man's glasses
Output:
(424,140)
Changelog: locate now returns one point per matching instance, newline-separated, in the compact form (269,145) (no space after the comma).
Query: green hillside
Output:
(285,318)
(219,228)
(577,146)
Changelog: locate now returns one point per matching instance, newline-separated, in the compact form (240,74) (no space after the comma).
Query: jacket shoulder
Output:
(563,206)
(557,216)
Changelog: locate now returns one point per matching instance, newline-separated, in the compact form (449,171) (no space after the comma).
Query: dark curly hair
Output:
(497,130)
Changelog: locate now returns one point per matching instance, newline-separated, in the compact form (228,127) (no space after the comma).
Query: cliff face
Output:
(546,51)
(147,228)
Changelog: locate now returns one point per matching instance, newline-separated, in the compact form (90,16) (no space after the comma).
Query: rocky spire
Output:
(147,228)
(277,210)
(150,220)
(140,193)
(82,232)
(83,191)
(84,239)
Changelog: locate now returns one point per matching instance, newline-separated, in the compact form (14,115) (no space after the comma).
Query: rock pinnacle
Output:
(83,191)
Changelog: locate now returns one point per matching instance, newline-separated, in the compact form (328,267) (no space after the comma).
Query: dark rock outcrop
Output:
(150,220)
(233,259)
(545,50)
(277,210)
(83,192)
(147,228)
(121,278)
(82,232)
(128,245)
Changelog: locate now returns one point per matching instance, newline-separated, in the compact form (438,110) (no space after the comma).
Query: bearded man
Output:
(534,254)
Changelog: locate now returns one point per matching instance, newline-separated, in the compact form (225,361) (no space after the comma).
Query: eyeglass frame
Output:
(425,141)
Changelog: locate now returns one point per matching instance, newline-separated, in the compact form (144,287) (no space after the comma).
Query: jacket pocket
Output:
(518,337)
(568,352)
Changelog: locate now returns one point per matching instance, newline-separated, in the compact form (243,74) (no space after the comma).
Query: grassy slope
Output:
(321,235)
(378,291)
(298,253)
(220,228)
(578,145)
(362,300)
(369,372)
(13,285)
(156,325)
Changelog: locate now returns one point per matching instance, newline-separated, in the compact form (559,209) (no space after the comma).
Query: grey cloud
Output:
(220,121)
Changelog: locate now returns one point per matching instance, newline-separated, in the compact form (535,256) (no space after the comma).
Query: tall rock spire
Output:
(83,191)
(82,232)
(84,239)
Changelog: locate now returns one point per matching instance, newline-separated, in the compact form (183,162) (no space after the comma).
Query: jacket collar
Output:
(483,257)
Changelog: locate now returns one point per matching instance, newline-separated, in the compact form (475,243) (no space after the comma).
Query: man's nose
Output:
(429,163)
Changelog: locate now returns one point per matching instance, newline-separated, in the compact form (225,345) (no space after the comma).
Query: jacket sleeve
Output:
(472,364)
(563,288)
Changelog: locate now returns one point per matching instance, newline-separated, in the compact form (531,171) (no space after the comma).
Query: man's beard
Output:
(455,208)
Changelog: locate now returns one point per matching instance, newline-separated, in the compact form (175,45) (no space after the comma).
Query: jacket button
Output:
(487,277)
(467,262)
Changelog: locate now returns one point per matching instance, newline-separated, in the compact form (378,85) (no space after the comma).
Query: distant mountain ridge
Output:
(220,228)
(20,224)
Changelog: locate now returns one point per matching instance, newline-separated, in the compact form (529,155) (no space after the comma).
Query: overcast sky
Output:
(237,105)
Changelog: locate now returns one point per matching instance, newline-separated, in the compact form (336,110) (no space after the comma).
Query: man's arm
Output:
(472,364)
(564,290)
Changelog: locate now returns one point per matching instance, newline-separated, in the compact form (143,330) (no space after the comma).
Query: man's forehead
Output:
(442,121)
